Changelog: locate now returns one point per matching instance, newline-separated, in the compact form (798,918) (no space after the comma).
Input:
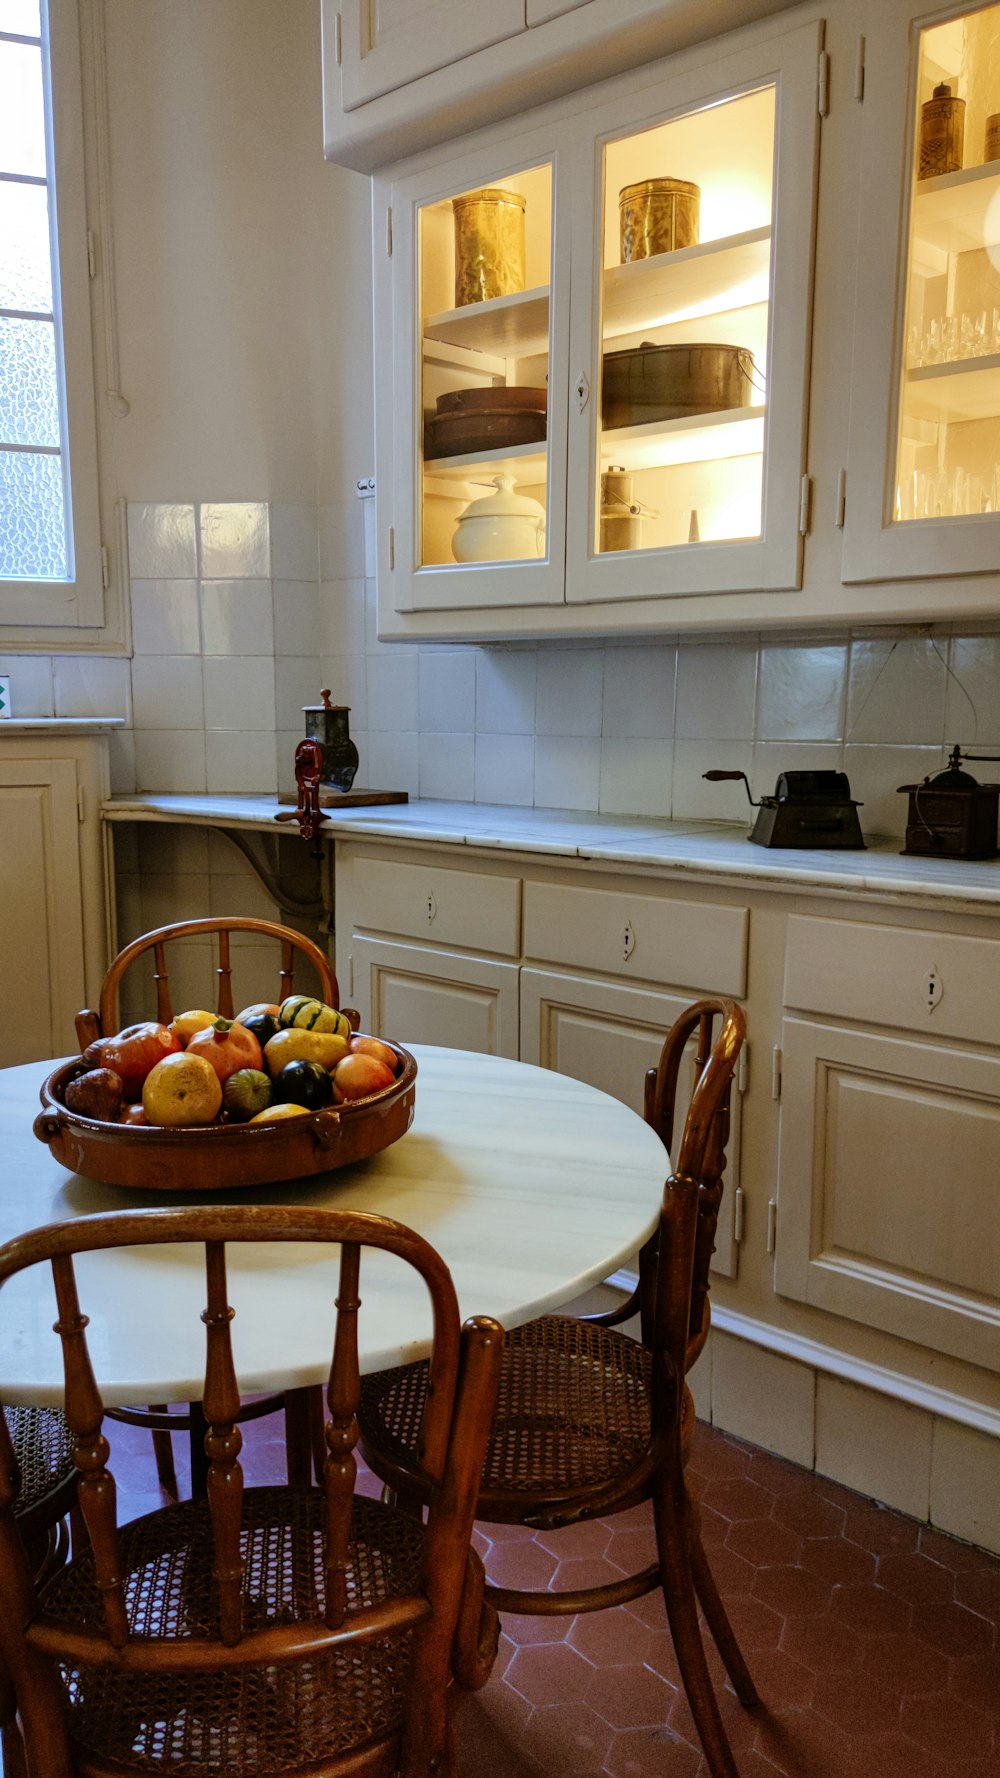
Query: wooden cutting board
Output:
(351,799)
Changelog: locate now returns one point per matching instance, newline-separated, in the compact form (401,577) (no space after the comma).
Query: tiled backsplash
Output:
(242,612)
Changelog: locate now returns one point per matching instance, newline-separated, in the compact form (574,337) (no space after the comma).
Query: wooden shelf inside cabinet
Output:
(964,389)
(704,280)
(697,438)
(950,212)
(526,463)
(511,326)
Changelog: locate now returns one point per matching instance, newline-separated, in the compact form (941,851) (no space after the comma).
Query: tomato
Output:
(134,1053)
(228,1046)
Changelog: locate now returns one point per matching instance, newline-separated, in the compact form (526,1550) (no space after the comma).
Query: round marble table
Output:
(531,1185)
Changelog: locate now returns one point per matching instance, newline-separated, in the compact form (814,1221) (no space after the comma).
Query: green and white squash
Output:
(305,1014)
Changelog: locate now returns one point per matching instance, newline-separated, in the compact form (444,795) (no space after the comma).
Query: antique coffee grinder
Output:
(327,724)
(952,815)
(812,810)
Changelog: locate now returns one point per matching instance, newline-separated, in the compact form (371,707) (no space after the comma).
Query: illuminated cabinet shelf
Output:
(711,489)
(966,389)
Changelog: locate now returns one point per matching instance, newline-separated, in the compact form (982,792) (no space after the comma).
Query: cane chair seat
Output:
(259,1721)
(43,1446)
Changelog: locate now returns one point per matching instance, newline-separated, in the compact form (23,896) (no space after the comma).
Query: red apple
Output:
(358,1076)
(372,1046)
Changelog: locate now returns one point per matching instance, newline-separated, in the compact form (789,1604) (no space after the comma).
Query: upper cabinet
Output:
(385,44)
(923,470)
(584,398)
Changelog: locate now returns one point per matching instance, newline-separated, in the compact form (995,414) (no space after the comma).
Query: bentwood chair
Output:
(306,1631)
(591,1422)
(301,1406)
(42,1448)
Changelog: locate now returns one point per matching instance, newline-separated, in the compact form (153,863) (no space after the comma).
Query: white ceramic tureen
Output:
(501,527)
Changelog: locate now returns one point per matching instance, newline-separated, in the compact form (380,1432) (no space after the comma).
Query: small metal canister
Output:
(942,134)
(489,244)
(657,215)
(621,513)
(991,145)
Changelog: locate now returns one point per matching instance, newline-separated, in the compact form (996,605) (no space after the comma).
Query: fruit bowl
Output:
(224,1156)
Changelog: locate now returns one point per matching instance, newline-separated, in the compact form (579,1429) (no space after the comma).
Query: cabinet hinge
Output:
(743,1069)
(81,803)
(776,1072)
(738,1216)
(105,567)
(91,253)
(859,72)
(350,975)
(388,230)
(338,39)
(841,499)
(392,546)
(805,504)
(772,1224)
(823,83)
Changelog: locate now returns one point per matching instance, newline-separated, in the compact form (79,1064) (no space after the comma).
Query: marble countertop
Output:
(703,849)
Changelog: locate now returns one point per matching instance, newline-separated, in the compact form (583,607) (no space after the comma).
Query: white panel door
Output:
(889,1186)
(43,955)
(388,43)
(608,1035)
(440,997)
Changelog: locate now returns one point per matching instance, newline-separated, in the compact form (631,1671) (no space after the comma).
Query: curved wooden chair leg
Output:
(163,1452)
(717,1620)
(673,1545)
(298,1437)
(11,1744)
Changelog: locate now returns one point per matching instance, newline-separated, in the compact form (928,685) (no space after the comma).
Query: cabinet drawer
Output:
(933,982)
(686,943)
(447,907)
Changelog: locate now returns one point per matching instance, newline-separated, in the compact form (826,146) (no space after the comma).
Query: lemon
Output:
(274,1112)
(187,1023)
(182,1090)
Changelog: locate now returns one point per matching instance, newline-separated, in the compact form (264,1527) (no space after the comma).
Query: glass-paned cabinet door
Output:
(928,380)
(689,435)
(477,408)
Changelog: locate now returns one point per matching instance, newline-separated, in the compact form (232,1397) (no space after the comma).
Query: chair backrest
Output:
(693,1193)
(105,1022)
(464,1368)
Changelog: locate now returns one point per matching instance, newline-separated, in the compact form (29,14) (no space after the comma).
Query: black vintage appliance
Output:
(952,815)
(807,810)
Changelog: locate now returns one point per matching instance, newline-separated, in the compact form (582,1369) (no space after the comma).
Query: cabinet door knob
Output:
(582,390)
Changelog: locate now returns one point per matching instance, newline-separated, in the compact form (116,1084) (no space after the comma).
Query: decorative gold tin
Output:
(657,215)
(991,145)
(942,134)
(489,244)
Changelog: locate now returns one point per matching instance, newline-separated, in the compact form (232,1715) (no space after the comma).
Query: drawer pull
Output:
(628,940)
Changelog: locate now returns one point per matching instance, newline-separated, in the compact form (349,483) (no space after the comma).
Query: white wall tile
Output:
(121,761)
(296,617)
(237,617)
(298,681)
(696,800)
(505,769)
(448,766)
(161,542)
(238,894)
(716,686)
(972,702)
(636,777)
(165,617)
(234,540)
(343,617)
(347,678)
(506,681)
(897,691)
(342,539)
(569,695)
(393,761)
(873,1444)
(294,542)
(166,692)
(241,760)
(965,1484)
(567,772)
(180,851)
(286,742)
(763,1397)
(447,690)
(392,692)
(802,693)
(90,685)
(875,774)
(166,899)
(170,760)
(639,691)
(32,692)
(239,693)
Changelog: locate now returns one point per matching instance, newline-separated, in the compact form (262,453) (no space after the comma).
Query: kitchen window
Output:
(50,548)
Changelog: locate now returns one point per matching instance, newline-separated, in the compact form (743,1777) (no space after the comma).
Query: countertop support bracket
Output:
(262,854)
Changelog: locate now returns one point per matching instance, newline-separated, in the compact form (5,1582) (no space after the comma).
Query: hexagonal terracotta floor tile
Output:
(549,1673)
(630,1697)
(652,1753)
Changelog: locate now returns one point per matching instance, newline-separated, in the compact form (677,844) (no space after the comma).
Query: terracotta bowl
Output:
(224,1157)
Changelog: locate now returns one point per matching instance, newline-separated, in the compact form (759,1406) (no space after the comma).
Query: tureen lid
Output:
(504,503)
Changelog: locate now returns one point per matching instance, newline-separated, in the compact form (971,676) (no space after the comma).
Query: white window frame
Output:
(41,609)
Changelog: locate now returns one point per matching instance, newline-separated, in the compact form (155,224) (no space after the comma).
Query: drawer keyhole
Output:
(934,988)
(431,907)
(628,941)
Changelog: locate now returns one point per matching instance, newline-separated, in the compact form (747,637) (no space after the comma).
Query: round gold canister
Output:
(489,244)
(657,215)
(942,134)
(991,145)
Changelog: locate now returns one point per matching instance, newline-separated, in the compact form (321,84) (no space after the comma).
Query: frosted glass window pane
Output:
(25,270)
(29,395)
(21,17)
(22,111)
(32,518)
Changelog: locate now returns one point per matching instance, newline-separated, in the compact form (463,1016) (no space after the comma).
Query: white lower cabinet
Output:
(436,996)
